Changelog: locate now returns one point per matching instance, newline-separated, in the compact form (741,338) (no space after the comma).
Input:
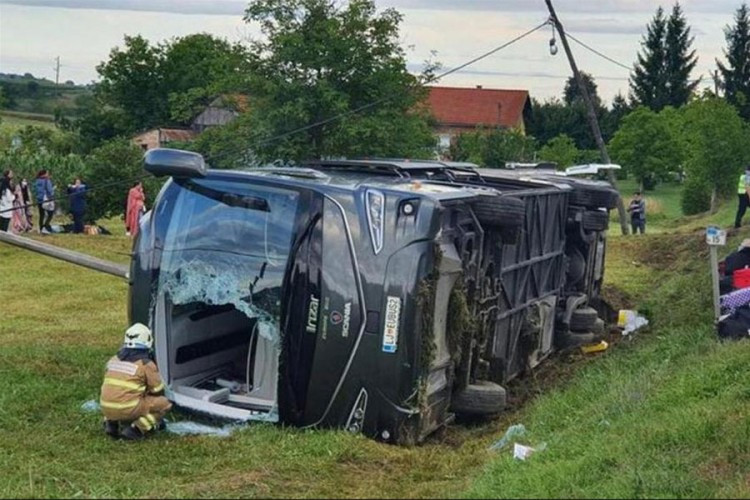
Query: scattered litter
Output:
(514,431)
(522,452)
(630,321)
(186,428)
(598,347)
(90,406)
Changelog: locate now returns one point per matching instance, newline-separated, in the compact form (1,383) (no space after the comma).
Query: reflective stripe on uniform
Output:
(119,406)
(158,388)
(124,383)
(145,423)
(741,186)
(122,367)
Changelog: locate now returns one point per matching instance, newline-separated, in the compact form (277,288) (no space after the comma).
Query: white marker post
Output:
(715,237)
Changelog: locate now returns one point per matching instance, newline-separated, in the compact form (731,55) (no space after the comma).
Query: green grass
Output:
(14,121)
(662,415)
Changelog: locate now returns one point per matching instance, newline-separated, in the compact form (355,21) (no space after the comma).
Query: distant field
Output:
(14,120)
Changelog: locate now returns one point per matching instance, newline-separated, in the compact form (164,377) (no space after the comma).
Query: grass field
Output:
(662,415)
(12,121)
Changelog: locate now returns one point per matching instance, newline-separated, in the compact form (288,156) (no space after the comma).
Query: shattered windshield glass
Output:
(219,250)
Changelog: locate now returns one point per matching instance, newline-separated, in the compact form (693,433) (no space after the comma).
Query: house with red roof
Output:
(460,109)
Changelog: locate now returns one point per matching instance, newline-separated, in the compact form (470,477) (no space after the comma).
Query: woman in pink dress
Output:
(136,207)
(19,222)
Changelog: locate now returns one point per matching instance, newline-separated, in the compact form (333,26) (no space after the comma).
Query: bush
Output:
(112,170)
(696,197)
(109,171)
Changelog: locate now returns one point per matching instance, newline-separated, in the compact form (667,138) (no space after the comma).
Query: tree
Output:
(197,68)
(662,71)
(735,75)
(493,148)
(561,150)
(611,119)
(132,80)
(648,80)
(716,145)
(553,117)
(680,59)
(169,83)
(111,170)
(571,94)
(645,147)
(317,61)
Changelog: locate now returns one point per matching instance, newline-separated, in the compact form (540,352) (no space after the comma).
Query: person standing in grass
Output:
(77,193)
(637,211)
(27,204)
(45,194)
(135,207)
(743,196)
(20,221)
(6,200)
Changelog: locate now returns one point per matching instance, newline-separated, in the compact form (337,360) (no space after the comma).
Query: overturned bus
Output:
(379,296)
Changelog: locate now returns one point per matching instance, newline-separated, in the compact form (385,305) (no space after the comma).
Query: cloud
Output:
(201,7)
(237,7)
(416,68)
(604,26)
(565,6)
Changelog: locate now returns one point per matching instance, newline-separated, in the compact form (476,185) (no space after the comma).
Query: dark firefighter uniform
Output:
(130,393)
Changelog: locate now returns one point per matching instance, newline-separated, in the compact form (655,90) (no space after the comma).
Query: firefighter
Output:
(132,390)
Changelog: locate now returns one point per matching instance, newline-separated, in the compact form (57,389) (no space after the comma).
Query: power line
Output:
(364,107)
(604,56)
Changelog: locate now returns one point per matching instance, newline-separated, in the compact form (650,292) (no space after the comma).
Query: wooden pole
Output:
(104,266)
(590,113)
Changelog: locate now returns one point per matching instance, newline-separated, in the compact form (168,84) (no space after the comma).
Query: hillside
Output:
(661,414)
(28,94)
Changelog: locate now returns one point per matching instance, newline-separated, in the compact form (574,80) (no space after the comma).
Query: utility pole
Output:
(590,112)
(57,74)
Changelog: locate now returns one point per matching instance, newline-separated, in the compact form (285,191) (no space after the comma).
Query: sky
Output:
(82,32)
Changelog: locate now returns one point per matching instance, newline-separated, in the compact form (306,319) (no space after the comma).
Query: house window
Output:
(444,141)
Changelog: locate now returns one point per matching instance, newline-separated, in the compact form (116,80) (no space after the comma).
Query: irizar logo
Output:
(312,315)
(347,319)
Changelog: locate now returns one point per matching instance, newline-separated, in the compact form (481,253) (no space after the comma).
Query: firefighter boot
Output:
(132,433)
(112,428)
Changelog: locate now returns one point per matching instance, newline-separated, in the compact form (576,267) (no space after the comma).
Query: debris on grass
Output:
(90,406)
(183,428)
(522,452)
(188,428)
(630,321)
(514,431)
(597,347)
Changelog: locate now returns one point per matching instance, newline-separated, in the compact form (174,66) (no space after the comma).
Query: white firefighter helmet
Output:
(138,336)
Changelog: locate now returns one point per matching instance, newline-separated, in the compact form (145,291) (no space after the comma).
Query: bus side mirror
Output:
(163,162)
